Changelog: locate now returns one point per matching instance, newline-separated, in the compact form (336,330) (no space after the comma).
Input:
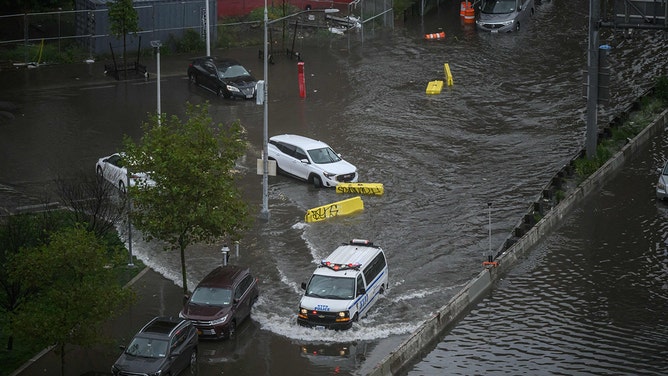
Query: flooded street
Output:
(514,117)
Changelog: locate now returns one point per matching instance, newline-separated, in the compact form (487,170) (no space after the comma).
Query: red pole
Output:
(302,84)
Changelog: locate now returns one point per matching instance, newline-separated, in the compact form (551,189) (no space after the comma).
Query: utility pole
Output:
(592,79)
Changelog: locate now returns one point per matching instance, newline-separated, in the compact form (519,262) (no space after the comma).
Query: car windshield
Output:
(233,71)
(323,155)
(213,296)
(497,6)
(327,287)
(147,347)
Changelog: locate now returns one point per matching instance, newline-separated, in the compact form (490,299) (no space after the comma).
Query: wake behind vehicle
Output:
(310,160)
(344,286)
(164,346)
(498,16)
(226,77)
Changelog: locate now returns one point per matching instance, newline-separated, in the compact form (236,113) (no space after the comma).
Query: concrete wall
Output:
(460,304)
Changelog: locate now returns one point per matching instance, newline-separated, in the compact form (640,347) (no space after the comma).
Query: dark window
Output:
(243,286)
(360,285)
(375,267)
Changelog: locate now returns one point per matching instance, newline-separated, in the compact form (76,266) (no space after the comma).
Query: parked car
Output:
(112,169)
(164,346)
(221,301)
(499,16)
(662,184)
(310,160)
(225,77)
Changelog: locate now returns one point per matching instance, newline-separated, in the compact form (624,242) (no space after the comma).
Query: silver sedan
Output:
(113,170)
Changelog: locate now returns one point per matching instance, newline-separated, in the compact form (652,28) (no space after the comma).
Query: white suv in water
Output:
(310,160)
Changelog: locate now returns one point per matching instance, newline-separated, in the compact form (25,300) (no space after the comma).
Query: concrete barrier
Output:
(460,304)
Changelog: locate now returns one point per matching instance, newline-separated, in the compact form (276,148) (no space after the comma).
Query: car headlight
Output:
(507,23)
(329,175)
(343,316)
(303,311)
(232,88)
(219,321)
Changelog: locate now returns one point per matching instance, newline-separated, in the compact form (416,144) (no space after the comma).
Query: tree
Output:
(123,19)
(76,290)
(195,198)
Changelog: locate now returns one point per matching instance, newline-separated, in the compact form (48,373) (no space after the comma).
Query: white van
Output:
(344,287)
(499,16)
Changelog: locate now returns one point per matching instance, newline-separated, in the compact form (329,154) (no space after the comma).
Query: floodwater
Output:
(514,116)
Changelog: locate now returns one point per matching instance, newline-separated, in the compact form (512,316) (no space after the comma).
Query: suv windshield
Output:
(327,287)
(214,296)
(323,155)
(497,6)
(147,347)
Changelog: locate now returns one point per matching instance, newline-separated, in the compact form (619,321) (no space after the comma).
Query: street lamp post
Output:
(156,44)
(264,213)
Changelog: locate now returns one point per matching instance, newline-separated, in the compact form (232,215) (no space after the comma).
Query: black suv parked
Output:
(164,346)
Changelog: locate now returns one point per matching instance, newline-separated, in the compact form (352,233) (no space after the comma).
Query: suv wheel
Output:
(193,79)
(193,362)
(317,182)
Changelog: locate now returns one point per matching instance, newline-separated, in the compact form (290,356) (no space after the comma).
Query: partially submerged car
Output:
(499,16)
(226,77)
(164,346)
(221,301)
(310,160)
(112,169)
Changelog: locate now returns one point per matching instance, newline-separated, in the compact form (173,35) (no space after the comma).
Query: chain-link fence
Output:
(84,33)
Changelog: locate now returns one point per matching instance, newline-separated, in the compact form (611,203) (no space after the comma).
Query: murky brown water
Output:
(513,118)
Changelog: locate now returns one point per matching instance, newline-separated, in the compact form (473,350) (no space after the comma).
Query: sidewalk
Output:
(156,296)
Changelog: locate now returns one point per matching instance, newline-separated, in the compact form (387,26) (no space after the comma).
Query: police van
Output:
(344,286)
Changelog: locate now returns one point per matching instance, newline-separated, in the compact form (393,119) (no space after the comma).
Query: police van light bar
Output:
(337,267)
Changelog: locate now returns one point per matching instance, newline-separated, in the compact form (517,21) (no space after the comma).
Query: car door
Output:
(242,298)
(113,170)
(285,159)
(211,75)
(301,169)
(178,354)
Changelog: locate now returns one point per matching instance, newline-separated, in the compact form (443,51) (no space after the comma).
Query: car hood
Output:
(205,312)
(339,168)
(241,82)
(139,364)
(496,18)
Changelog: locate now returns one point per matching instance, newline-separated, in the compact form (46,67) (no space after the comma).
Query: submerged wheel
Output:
(193,362)
(100,175)
(121,186)
(192,79)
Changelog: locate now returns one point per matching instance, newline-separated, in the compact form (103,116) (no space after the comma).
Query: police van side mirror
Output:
(362,291)
(303,285)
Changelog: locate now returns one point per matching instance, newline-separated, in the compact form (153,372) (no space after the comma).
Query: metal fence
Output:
(85,30)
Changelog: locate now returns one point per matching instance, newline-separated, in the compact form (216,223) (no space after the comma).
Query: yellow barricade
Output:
(448,75)
(361,188)
(334,209)
(434,87)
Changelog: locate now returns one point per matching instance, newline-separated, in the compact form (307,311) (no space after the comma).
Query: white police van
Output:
(344,286)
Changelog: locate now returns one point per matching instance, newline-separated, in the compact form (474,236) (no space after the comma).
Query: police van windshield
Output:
(327,287)
(498,6)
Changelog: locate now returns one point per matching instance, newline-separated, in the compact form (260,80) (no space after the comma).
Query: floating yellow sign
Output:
(361,188)
(434,87)
(334,209)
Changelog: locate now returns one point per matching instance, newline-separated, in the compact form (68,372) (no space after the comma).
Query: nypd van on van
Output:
(344,286)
